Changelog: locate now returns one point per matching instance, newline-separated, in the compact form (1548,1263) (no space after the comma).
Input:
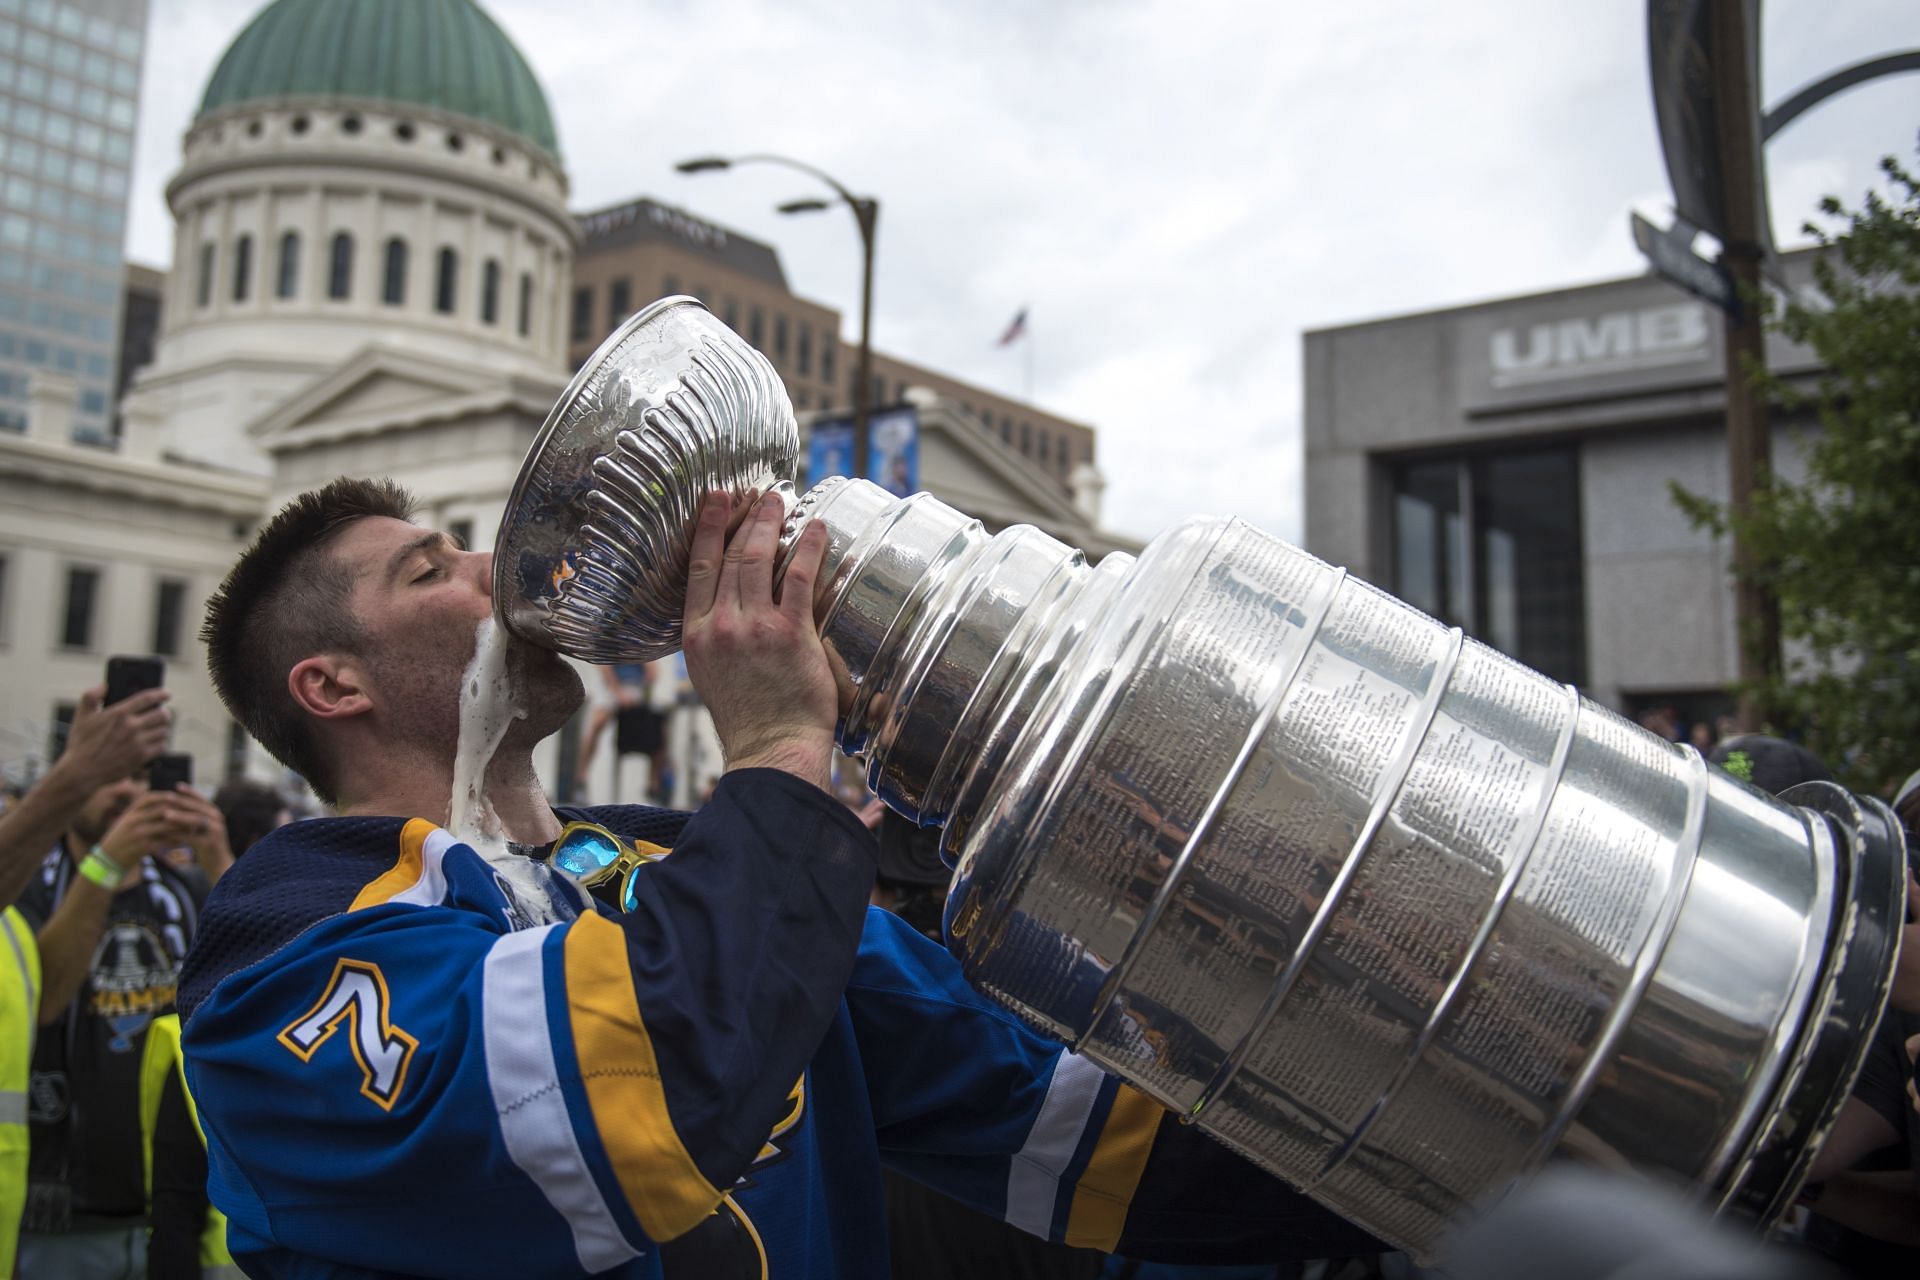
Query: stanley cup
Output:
(1394,916)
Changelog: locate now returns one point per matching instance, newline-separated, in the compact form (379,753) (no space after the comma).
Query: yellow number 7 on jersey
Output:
(357,993)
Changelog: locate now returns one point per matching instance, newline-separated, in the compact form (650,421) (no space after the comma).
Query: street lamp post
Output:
(866,213)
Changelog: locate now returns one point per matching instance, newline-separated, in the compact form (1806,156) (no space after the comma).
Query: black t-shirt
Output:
(84,1098)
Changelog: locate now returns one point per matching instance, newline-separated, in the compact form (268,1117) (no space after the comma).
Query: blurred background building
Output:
(375,272)
(1504,466)
(69,82)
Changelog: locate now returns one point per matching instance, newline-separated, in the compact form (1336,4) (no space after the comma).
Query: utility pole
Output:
(1749,444)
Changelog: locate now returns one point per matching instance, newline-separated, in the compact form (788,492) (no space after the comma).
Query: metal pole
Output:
(867,213)
(1756,611)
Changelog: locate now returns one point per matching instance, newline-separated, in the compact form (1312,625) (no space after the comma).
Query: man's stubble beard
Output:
(423,696)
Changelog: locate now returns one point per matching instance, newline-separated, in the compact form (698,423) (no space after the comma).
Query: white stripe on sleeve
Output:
(1033,1180)
(526,1094)
(431,888)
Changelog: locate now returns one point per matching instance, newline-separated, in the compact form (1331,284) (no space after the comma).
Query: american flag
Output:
(1015,331)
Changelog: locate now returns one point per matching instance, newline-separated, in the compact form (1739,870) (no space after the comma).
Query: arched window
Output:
(526,303)
(242,267)
(443,285)
(289,282)
(340,267)
(203,286)
(393,288)
(490,293)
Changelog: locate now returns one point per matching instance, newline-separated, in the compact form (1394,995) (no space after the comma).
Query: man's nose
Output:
(481,562)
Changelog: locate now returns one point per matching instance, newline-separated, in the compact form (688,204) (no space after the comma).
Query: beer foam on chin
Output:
(488,708)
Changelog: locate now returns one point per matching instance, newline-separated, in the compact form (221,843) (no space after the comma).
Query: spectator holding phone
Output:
(113,919)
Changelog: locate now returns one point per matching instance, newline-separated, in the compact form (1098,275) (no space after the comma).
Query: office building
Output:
(632,253)
(69,85)
(1505,467)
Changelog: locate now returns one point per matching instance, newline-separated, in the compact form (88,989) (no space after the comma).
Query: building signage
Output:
(1612,342)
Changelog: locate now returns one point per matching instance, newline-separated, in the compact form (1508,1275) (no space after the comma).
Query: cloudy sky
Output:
(1175,189)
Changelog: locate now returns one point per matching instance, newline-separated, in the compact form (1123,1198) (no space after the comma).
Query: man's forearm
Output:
(67,941)
(31,827)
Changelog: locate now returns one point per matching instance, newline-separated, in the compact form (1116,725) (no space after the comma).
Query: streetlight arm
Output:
(866,214)
(805,168)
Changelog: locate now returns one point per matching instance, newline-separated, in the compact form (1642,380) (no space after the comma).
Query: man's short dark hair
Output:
(285,600)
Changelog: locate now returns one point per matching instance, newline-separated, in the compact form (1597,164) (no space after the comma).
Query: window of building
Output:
(5,564)
(288,284)
(779,339)
(393,273)
(340,267)
(669,285)
(236,751)
(582,314)
(1490,543)
(803,351)
(490,292)
(756,328)
(827,343)
(461,531)
(619,301)
(526,303)
(444,278)
(169,606)
(76,619)
(242,267)
(1026,438)
(203,281)
(731,315)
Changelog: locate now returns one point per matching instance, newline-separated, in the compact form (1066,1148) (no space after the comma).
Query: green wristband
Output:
(102,870)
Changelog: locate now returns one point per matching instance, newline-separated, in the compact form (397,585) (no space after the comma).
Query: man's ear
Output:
(329,686)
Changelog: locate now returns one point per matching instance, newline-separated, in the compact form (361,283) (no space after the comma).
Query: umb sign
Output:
(1672,255)
(1610,342)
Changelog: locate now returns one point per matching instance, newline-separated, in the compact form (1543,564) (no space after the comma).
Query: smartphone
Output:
(166,771)
(127,676)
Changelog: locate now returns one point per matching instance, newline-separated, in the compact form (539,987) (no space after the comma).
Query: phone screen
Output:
(127,676)
(167,771)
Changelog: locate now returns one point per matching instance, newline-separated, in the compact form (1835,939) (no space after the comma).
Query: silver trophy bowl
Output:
(1396,917)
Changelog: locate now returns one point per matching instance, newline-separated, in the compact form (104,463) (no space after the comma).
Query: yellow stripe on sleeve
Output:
(1105,1190)
(404,873)
(666,1189)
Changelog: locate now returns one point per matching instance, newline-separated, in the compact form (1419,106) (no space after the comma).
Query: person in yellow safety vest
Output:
(19,1015)
(167,1114)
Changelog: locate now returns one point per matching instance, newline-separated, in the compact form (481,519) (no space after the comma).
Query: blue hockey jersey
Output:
(400,1073)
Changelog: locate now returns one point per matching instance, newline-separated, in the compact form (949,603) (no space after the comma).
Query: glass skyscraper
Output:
(69,85)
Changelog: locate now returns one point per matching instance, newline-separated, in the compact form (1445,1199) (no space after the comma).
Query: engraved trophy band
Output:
(1389,913)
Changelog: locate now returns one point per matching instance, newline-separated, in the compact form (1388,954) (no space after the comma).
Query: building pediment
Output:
(382,388)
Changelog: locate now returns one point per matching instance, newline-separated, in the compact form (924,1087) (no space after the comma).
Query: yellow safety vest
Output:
(162,1055)
(19,1016)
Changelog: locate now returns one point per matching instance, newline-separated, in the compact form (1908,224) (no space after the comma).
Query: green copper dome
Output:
(445,54)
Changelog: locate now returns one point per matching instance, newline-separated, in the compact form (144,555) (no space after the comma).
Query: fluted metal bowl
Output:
(592,554)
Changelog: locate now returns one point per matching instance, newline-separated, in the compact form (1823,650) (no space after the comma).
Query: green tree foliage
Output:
(1842,550)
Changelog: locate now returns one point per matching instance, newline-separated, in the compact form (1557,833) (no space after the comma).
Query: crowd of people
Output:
(367,1043)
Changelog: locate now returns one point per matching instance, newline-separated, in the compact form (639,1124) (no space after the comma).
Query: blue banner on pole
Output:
(893,449)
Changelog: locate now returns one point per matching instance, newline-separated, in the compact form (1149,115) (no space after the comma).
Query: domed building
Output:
(371,256)
(371,245)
